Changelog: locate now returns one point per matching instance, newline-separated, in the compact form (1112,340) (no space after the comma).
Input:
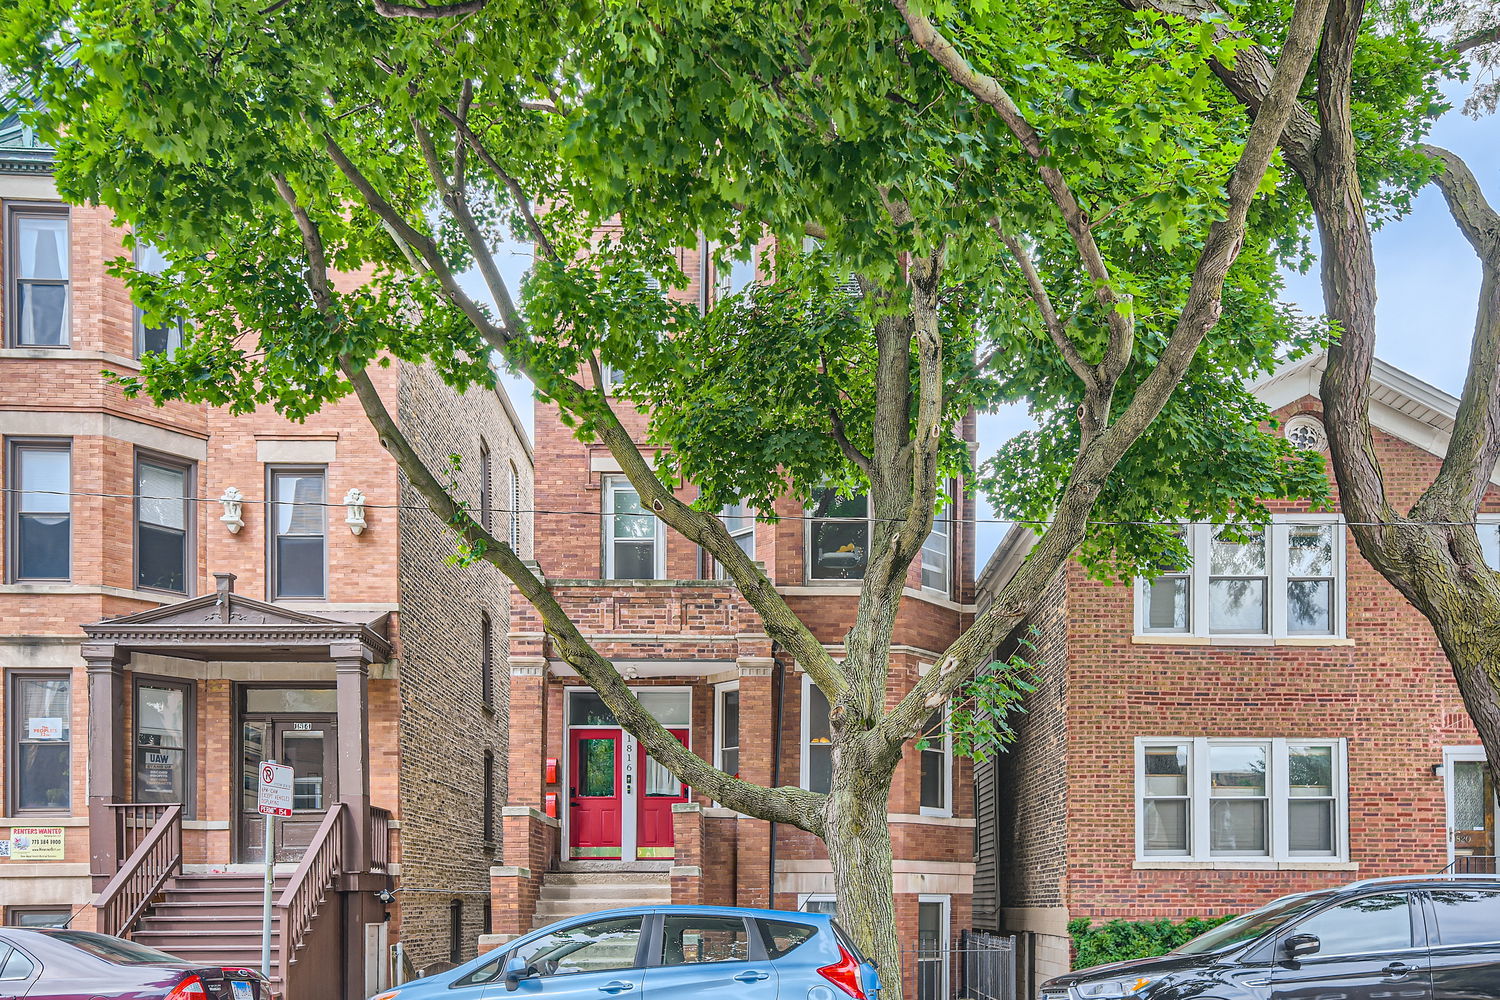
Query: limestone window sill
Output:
(1245,865)
(1318,641)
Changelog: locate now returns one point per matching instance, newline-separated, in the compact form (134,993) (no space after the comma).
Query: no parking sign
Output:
(275,798)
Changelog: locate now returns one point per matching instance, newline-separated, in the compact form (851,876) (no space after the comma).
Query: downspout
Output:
(776,694)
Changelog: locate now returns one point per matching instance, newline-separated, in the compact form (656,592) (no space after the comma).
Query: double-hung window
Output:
(1221,799)
(515,509)
(937,550)
(299,520)
(739,521)
(727,727)
(41,738)
(633,548)
(163,517)
(163,336)
(838,536)
(937,766)
(39,272)
(1282,579)
(817,739)
(41,518)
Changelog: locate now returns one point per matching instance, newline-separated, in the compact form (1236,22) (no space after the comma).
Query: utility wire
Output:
(474,512)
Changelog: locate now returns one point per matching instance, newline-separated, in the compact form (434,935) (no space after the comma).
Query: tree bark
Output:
(858,835)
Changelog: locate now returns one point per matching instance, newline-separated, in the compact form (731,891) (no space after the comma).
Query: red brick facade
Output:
(427,726)
(685,632)
(1068,794)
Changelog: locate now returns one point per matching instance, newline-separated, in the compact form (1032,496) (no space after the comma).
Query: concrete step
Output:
(606,878)
(550,910)
(642,891)
(615,867)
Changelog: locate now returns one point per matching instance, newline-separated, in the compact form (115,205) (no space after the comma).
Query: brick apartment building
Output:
(163,629)
(591,820)
(1276,719)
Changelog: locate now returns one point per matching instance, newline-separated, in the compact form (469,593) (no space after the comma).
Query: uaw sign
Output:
(275,796)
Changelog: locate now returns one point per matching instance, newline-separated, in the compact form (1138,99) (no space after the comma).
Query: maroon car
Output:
(60,964)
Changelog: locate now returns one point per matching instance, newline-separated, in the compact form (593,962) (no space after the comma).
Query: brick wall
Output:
(446,728)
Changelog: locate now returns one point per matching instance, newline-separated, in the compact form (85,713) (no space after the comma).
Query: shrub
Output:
(1121,940)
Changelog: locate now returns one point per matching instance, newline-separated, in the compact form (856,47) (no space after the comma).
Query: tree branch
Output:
(462,9)
(1096,461)
(1474,447)
(1117,308)
(1485,36)
(1050,322)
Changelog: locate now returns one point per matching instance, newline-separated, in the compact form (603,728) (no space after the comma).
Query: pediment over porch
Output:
(224,625)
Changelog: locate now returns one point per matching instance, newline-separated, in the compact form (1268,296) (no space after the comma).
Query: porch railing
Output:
(311,883)
(133,821)
(1473,864)
(380,840)
(156,857)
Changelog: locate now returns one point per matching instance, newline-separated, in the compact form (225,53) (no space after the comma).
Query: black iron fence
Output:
(1473,864)
(978,966)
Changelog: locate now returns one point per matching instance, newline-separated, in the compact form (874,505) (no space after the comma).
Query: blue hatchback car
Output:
(665,953)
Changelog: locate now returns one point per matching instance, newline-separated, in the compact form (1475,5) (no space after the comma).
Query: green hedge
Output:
(1120,940)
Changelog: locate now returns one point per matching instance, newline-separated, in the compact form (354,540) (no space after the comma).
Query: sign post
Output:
(274,799)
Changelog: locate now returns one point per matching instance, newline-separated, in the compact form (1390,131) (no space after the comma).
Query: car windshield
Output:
(113,949)
(1251,925)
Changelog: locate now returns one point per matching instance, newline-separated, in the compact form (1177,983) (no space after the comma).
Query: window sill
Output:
(1245,864)
(62,588)
(69,354)
(1171,639)
(63,818)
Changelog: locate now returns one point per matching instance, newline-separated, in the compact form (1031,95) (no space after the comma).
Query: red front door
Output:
(658,790)
(595,793)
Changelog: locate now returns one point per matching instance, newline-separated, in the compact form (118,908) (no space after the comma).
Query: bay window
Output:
(41,510)
(1223,799)
(633,544)
(1278,580)
(39,276)
(40,748)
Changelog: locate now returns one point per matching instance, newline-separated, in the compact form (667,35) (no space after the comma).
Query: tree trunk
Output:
(858,836)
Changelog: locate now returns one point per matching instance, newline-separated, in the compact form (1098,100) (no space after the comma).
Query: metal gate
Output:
(980,967)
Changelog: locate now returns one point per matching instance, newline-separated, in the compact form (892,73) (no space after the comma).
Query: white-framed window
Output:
(1283,579)
(936,796)
(38,279)
(1489,539)
(1202,799)
(633,544)
(727,727)
(739,521)
(732,275)
(818,902)
(838,536)
(937,550)
(933,949)
(610,378)
(817,738)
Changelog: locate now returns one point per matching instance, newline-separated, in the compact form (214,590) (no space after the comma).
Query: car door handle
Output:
(617,986)
(752,976)
(1399,970)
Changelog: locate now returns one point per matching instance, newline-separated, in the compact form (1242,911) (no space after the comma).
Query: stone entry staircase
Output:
(581,887)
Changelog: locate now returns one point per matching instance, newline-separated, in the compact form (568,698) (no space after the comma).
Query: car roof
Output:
(741,911)
(1482,881)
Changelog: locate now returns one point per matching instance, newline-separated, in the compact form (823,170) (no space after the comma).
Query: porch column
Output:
(351,672)
(106,754)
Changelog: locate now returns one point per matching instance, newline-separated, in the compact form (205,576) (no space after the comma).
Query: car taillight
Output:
(845,974)
(190,987)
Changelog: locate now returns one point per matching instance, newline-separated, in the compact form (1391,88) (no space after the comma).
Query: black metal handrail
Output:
(1473,864)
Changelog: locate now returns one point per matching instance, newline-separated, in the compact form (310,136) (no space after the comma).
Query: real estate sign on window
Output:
(36,843)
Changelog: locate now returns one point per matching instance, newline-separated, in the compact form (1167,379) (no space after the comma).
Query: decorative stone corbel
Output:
(354,502)
(233,501)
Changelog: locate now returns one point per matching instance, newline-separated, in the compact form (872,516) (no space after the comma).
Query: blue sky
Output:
(1428,284)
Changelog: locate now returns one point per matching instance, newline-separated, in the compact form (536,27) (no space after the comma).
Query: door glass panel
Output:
(160,742)
(670,708)
(1467,916)
(305,753)
(697,940)
(585,708)
(596,767)
(659,781)
(1367,924)
(600,946)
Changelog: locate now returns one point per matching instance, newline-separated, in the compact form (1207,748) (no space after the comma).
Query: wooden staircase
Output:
(214,919)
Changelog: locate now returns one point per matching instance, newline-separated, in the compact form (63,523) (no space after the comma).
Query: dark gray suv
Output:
(1419,938)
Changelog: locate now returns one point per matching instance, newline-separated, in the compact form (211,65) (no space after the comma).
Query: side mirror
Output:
(516,970)
(1301,945)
